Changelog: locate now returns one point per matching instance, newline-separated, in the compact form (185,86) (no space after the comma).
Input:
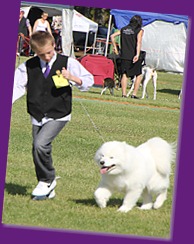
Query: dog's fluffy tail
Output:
(163,154)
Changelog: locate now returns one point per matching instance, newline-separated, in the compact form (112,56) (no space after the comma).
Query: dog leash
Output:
(91,120)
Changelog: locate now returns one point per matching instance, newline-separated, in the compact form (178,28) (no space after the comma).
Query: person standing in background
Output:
(131,63)
(25,30)
(42,24)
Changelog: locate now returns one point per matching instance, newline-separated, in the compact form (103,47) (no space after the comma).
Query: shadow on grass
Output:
(169,91)
(91,202)
(96,91)
(15,189)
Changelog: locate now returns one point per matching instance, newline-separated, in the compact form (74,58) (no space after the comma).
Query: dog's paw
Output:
(160,200)
(124,209)
(101,202)
(157,205)
(147,206)
(102,196)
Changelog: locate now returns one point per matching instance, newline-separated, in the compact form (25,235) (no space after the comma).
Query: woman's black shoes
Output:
(133,96)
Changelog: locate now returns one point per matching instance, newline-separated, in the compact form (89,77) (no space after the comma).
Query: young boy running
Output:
(49,102)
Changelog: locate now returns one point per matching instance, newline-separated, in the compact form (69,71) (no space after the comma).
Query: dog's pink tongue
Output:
(103,170)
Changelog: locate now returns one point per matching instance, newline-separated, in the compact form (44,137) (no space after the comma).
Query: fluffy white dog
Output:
(135,171)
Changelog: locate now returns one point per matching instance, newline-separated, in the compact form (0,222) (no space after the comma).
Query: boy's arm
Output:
(78,74)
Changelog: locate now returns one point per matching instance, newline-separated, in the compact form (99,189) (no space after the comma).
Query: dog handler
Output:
(49,102)
(131,41)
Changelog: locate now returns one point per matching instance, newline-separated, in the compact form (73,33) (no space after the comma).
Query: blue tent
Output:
(164,38)
(122,17)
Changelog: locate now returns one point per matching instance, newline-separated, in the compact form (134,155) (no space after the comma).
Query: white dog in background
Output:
(148,73)
(135,171)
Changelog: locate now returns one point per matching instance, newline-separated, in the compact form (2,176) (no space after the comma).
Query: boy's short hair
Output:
(41,38)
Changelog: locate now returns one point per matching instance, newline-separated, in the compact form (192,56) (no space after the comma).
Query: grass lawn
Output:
(74,208)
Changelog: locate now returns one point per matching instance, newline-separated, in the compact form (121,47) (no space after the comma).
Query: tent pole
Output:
(94,44)
(108,34)
(86,43)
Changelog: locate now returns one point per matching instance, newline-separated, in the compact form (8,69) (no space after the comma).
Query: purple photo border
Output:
(182,226)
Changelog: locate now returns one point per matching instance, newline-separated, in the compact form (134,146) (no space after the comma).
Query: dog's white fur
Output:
(135,171)
(148,73)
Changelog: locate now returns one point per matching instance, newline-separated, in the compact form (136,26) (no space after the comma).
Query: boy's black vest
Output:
(43,98)
(22,27)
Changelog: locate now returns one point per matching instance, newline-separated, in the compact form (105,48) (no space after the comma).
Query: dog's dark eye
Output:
(111,157)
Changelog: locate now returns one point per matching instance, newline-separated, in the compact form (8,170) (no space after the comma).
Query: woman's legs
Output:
(137,84)
(124,81)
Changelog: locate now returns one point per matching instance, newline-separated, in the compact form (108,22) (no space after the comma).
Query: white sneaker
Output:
(51,195)
(44,189)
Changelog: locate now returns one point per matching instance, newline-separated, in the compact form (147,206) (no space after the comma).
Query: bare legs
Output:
(124,82)
(137,83)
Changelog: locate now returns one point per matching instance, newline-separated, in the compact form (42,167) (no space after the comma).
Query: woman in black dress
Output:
(131,41)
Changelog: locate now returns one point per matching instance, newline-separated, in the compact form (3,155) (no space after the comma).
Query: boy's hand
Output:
(66,74)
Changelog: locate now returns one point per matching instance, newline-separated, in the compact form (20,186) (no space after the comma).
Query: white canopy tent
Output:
(165,45)
(83,24)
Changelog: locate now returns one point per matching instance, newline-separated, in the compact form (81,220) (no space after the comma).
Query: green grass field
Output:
(74,208)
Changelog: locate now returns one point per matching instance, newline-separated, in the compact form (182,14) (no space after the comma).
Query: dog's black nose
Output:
(102,162)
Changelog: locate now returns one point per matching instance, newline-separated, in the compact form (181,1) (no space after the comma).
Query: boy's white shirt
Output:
(76,69)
